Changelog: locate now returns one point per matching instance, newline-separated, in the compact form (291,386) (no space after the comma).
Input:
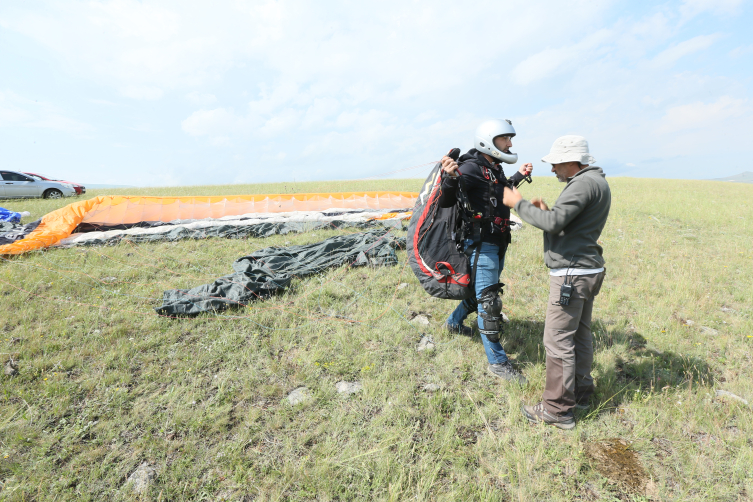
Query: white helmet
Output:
(485,134)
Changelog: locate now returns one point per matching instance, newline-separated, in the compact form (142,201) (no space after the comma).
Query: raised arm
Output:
(570,203)
(449,187)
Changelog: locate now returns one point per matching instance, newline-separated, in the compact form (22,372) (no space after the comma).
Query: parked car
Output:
(16,185)
(80,189)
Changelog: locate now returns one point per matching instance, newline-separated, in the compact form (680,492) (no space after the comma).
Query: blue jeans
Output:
(490,266)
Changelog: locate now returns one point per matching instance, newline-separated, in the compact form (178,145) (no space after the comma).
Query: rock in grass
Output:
(709,331)
(421,319)
(348,388)
(142,477)
(729,395)
(431,387)
(299,395)
(402,285)
(11,368)
(426,343)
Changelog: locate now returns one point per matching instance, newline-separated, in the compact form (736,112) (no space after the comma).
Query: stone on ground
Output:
(348,388)
(421,319)
(403,285)
(709,331)
(299,395)
(431,387)
(11,368)
(426,343)
(142,477)
(729,395)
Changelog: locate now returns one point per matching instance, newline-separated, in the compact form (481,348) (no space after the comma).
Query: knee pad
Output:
(492,304)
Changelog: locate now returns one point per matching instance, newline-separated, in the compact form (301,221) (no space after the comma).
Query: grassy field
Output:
(105,385)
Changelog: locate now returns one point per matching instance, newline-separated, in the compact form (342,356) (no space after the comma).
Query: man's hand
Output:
(539,202)
(526,169)
(450,166)
(511,197)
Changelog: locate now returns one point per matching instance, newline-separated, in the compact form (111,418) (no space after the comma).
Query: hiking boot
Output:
(507,372)
(538,413)
(460,329)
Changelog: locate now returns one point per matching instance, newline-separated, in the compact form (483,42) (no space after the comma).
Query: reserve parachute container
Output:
(434,243)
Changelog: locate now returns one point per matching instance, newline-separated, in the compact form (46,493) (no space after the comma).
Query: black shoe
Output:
(507,372)
(459,329)
(538,413)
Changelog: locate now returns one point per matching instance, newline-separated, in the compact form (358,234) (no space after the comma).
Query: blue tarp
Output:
(10,216)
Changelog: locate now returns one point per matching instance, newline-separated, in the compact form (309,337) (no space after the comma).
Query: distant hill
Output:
(746,177)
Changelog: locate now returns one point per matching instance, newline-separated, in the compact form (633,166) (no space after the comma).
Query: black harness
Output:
(472,223)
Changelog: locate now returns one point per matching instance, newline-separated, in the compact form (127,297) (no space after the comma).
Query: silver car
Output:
(15,185)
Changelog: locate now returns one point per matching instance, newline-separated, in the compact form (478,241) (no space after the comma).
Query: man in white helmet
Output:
(483,181)
(576,267)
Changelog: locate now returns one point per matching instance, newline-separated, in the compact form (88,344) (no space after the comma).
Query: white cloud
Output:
(692,8)
(741,51)
(146,92)
(17,111)
(138,47)
(701,115)
(217,123)
(201,99)
(668,57)
(551,61)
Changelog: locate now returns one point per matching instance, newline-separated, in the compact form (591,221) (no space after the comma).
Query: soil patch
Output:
(614,459)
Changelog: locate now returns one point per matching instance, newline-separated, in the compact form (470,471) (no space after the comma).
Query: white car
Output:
(15,185)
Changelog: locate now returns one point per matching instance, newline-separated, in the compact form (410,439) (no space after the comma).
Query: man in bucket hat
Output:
(576,267)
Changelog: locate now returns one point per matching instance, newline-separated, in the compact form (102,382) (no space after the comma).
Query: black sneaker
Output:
(538,414)
(507,372)
(460,329)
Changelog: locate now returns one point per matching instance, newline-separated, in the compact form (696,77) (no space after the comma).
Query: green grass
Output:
(104,384)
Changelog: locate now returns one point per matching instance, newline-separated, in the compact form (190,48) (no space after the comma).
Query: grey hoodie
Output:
(573,225)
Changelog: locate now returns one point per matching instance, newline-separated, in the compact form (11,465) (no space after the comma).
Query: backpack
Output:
(435,241)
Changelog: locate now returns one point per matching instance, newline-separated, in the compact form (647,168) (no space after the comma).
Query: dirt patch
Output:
(469,435)
(614,460)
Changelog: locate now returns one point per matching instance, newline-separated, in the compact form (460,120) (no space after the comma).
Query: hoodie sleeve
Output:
(570,204)
(516,179)
(449,188)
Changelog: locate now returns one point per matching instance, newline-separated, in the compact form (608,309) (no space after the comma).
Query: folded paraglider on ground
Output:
(109,220)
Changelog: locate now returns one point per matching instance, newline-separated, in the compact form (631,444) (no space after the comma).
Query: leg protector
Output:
(492,315)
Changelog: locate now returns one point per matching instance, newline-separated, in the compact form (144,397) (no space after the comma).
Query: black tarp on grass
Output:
(270,270)
(11,232)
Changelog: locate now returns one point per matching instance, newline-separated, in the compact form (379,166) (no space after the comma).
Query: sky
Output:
(167,93)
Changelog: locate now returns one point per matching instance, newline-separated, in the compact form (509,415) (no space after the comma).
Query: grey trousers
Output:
(569,343)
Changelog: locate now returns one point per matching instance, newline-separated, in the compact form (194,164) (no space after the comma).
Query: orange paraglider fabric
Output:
(124,210)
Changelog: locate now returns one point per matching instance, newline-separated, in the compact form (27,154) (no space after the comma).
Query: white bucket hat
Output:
(570,148)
